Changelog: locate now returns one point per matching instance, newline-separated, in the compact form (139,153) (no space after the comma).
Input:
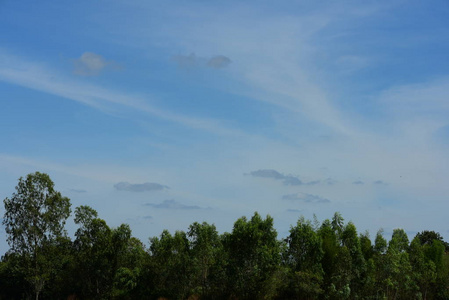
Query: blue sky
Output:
(162,113)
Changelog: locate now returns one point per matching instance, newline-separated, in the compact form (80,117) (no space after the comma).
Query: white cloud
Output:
(90,64)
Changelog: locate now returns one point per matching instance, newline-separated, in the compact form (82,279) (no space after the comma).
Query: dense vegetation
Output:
(330,260)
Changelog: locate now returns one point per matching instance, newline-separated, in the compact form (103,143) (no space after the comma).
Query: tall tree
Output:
(399,280)
(303,258)
(254,258)
(94,258)
(206,259)
(171,265)
(34,217)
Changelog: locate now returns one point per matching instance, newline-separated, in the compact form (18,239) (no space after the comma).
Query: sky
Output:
(159,114)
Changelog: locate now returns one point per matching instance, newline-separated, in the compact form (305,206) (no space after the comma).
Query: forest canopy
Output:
(327,260)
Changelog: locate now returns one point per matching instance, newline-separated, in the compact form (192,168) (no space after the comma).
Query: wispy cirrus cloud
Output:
(38,76)
(139,187)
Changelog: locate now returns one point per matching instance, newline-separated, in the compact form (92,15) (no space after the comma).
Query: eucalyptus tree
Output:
(34,218)
(303,257)
(332,254)
(93,254)
(424,270)
(254,258)
(399,282)
(170,265)
(207,259)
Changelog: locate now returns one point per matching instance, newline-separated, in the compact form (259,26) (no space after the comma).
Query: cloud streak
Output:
(139,187)
(218,62)
(36,76)
(273,174)
(192,61)
(304,197)
(290,180)
(172,204)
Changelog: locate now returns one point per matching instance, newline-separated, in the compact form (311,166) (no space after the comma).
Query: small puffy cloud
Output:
(379,182)
(90,64)
(186,61)
(358,182)
(291,180)
(330,181)
(314,182)
(269,173)
(288,179)
(78,191)
(218,62)
(139,187)
(172,204)
(192,61)
(309,198)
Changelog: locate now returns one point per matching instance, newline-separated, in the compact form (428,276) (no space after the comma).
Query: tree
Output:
(426,238)
(351,241)
(399,241)
(303,258)
(94,258)
(206,259)
(399,280)
(171,265)
(34,217)
(254,258)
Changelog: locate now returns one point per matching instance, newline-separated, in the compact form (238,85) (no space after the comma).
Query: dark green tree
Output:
(427,237)
(171,266)
(424,270)
(399,282)
(94,258)
(351,241)
(254,258)
(207,260)
(303,258)
(34,218)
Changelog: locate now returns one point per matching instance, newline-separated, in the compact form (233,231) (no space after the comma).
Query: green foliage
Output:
(34,218)
(208,260)
(380,244)
(254,257)
(171,265)
(303,256)
(399,241)
(315,261)
(427,237)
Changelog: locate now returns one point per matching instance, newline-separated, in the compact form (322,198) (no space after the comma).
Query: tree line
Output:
(327,260)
